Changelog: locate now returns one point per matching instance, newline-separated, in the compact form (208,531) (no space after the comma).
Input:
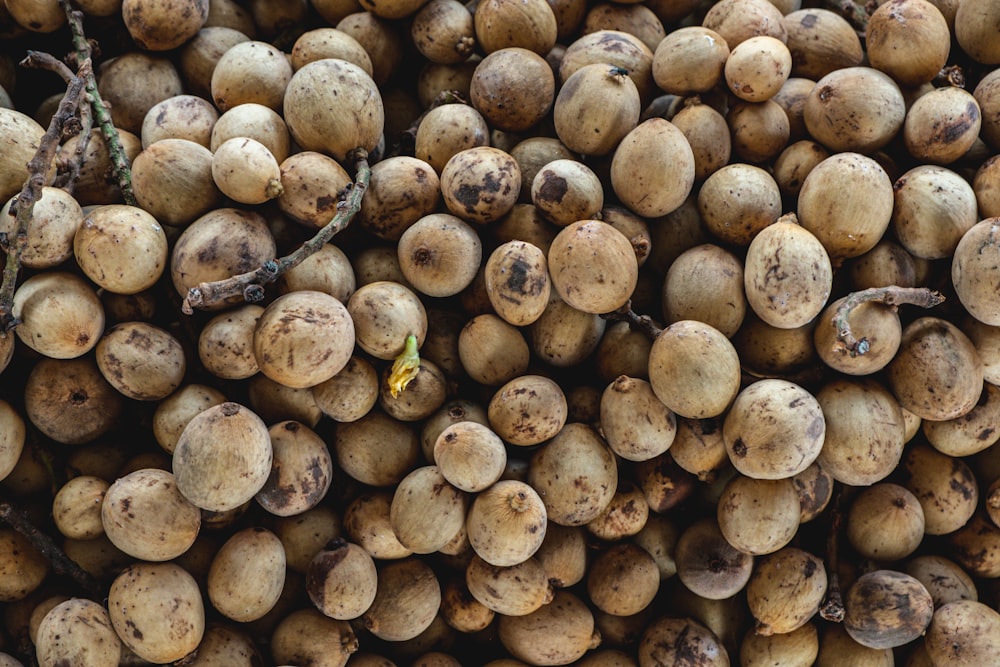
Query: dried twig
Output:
(69,166)
(832,608)
(643,323)
(19,520)
(890,296)
(119,158)
(250,285)
(38,169)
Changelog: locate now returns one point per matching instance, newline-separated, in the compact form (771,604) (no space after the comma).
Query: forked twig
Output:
(250,285)
(119,158)
(19,520)
(643,323)
(38,169)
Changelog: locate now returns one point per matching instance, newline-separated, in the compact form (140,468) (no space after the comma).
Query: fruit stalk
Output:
(250,285)
(643,323)
(832,608)
(38,168)
(890,296)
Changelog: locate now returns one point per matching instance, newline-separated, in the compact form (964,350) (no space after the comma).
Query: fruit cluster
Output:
(512,332)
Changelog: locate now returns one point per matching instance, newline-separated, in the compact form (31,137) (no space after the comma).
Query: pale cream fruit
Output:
(157,611)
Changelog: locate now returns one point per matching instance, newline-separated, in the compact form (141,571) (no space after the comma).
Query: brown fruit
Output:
(121,248)
(334,119)
(652,170)
(503,24)
(515,590)
(945,486)
(61,316)
(77,631)
(737,201)
(669,640)
(963,633)
(322,43)
(157,611)
(593,266)
(480,184)
(384,313)
(251,554)
(54,221)
(759,516)
(577,472)
(162,26)
(142,361)
(406,600)
(694,369)
(798,648)
(757,68)
(864,431)
(387,209)
(708,565)
(426,511)
(24,567)
(937,373)
(506,523)
(555,634)
(942,125)
(307,637)
(145,515)
(821,41)
(909,40)
(512,87)
(886,608)
(595,108)
(855,109)
(251,72)
(623,580)
(885,522)
(774,430)
(223,457)
(785,590)
(469,455)
(788,274)
(689,60)
(944,579)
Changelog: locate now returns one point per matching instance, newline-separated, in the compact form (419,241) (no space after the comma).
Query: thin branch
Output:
(890,296)
(832,608)
(250,285)
(643,323)
(38,169)
(19,520)
(119,158)
(42,60)
(69,167)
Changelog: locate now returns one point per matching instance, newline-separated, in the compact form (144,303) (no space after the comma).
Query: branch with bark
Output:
(890,296)
(250,285)
(64,118)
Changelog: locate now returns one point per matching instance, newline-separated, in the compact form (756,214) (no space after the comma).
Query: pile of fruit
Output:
(516,332)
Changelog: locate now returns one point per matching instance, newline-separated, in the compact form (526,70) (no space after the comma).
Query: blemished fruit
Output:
(533,333)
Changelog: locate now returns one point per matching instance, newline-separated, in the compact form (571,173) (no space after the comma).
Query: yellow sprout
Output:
(405,367)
